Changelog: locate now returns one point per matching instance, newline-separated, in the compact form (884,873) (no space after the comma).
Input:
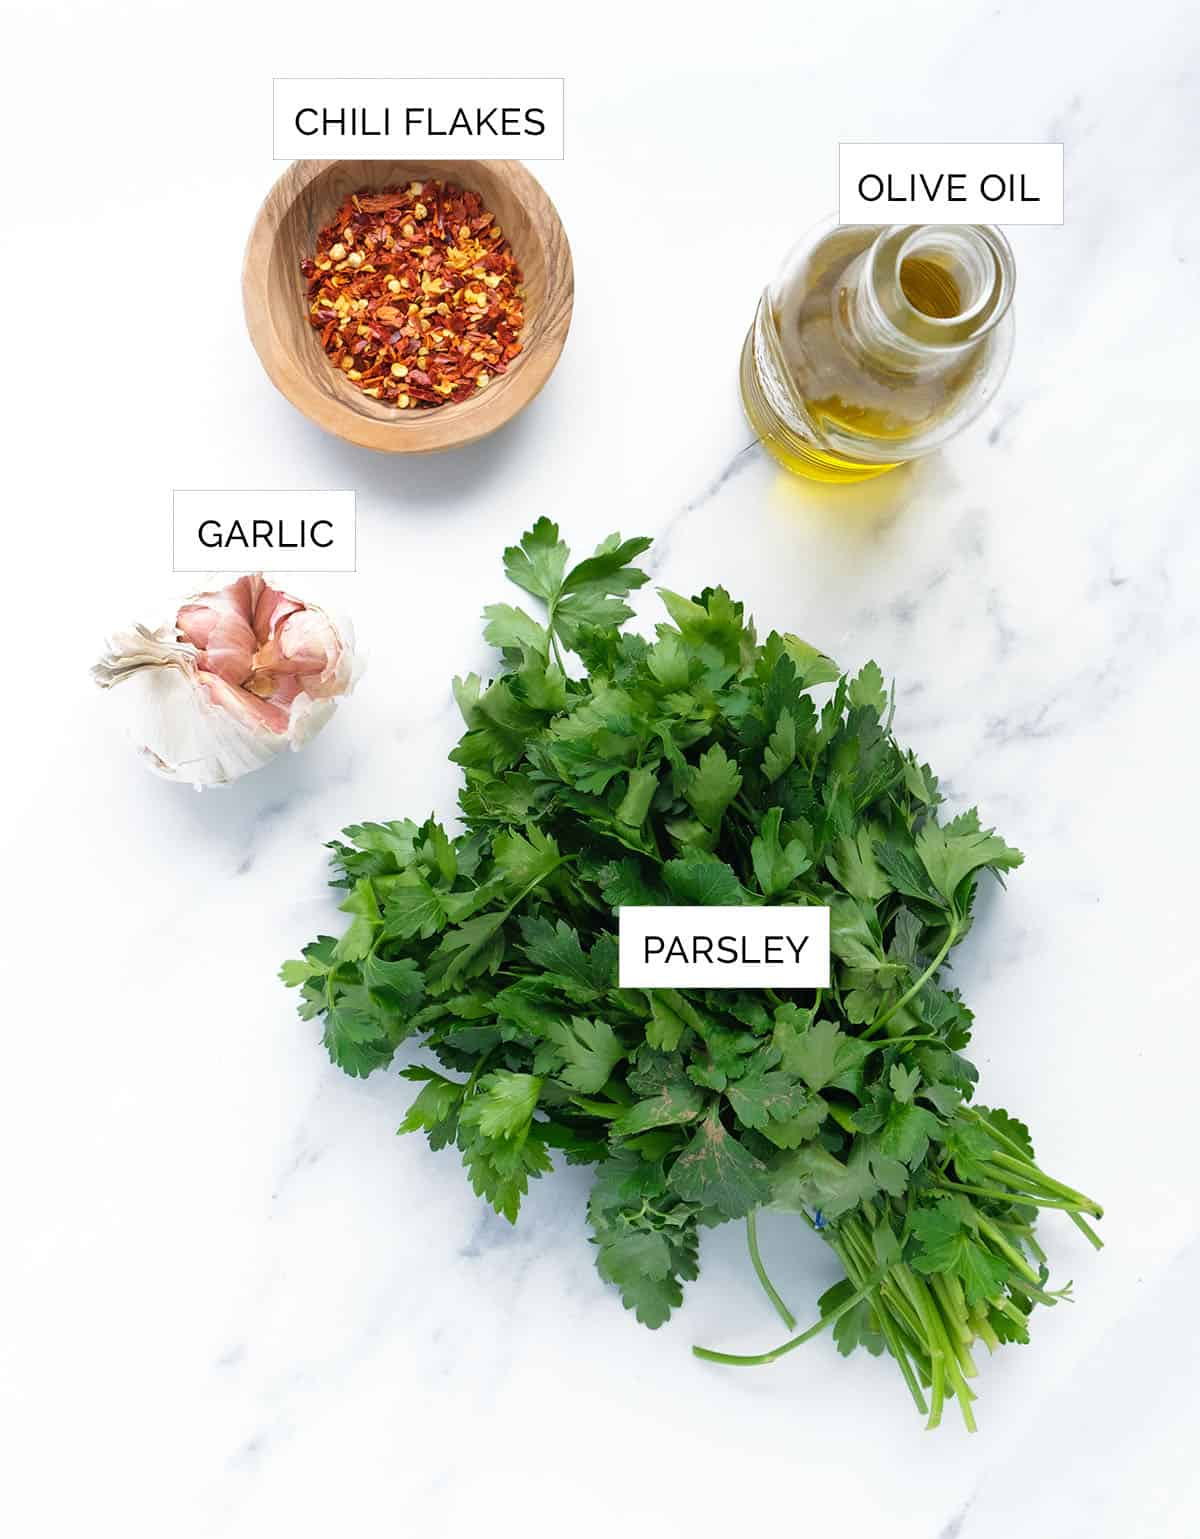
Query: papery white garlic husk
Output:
(244,672)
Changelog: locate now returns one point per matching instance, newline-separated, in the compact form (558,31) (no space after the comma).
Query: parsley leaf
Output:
(357,1040)
(951,854)
(702,881)
(434,1111)
(948,1244)
(763,1096)
(713,784)
(538,563)
(819,1054)
(646,1241)
(716,1171)
(556,949)
(503,1105)
(500,1169)
(586,1052)
(592,593)
(776,866)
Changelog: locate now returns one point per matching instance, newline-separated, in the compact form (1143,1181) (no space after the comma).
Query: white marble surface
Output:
(236,1305)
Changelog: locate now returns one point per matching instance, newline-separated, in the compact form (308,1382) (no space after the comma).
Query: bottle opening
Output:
(947,273)
(930,288)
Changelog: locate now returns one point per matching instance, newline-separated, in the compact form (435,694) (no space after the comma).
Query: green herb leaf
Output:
(812,667)
(592,593)
(435,1106)
(951,854)
(703,881)
(780,752)
(820,1054)
(357,1041)
(503,1104)
(776,866)
(556,948)
(509,627)
(903,1082)
(639,793)
(586,1050)
(676,1101)
(713,784)
(500,1170)
(716,1171)
(869,690)
(763,1096)
(295,973)
(948,1245)
(472,948)
(538,563)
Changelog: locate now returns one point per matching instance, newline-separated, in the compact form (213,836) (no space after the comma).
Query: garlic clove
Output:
(246,672)
(308,645)
(307,717)
(183,736)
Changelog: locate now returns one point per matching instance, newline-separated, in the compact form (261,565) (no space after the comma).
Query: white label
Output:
(786,946)
(950,183)
(247,531)
(480,119)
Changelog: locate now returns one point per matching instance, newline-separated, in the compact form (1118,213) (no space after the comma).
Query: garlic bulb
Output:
(243,673)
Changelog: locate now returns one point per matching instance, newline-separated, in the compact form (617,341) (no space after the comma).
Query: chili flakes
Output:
(416,294)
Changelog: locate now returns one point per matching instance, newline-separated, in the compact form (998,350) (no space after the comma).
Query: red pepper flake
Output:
(416,294)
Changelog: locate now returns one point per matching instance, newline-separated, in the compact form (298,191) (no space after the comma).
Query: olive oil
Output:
(876,346)
(930,288)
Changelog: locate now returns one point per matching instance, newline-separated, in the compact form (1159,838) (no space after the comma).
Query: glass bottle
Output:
(876,344)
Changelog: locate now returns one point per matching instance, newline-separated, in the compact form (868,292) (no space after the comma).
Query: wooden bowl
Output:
(304,199)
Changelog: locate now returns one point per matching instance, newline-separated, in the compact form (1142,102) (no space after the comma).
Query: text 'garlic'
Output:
(241,674)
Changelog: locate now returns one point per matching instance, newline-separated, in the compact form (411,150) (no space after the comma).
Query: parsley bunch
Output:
(698,769)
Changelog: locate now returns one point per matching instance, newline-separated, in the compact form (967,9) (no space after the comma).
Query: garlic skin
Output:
(243,673)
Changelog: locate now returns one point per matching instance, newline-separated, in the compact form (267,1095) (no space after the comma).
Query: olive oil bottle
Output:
(876,345)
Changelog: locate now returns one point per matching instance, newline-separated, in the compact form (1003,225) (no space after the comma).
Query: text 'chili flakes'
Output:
(416,294)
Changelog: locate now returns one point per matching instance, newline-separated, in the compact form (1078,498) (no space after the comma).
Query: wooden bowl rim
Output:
(445,427)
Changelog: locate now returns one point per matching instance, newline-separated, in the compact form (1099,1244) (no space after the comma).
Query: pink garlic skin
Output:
(265,657)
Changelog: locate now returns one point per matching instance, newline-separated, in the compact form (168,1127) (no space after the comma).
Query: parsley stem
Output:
(958,1336)
(996,1133)
(734,1361)
(480,1065)
(558,657)
(1020,1188)
(909,993)
(964,1394)
(1010,1195)
(1086,1229)
(1010,1252)
(1032,1176)
(945,1355)
(895,1320)
(955,1308)
(984,1331)
(923,1304)
(593,1108)
(902,1311)
(897,1348)
(1039,1295)
(768,1287)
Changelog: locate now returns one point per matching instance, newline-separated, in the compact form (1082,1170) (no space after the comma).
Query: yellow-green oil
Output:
(850,400)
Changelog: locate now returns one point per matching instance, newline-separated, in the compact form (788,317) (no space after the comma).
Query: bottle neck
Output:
(920,297)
